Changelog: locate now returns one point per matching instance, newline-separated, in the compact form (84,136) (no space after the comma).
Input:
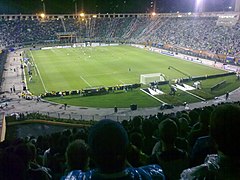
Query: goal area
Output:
(148,78)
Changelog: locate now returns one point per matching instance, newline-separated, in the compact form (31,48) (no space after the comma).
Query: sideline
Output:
(44,87)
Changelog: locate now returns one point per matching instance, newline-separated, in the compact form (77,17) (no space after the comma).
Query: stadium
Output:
(62,72)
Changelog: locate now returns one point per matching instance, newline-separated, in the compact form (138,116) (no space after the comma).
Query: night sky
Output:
(108,6)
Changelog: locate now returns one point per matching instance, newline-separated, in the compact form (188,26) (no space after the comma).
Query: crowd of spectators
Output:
(15,32)
(199,144)
(198,33)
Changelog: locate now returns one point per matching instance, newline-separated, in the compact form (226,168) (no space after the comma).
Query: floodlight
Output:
(82,14)
(199,1)
(199,5)
(94,16)
(42,15)
(153,14)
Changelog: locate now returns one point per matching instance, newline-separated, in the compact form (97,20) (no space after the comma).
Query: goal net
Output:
(148,78)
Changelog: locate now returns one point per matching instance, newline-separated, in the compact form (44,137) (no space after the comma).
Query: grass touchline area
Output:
(79,68)
(38,73)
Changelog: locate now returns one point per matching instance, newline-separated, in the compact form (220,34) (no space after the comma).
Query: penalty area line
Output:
(86,81)
(153,96)
(121,81)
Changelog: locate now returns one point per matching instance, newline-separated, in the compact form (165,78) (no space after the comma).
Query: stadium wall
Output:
(3,58)
(2,127)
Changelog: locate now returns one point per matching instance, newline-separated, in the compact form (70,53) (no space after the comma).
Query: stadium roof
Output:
(110,6)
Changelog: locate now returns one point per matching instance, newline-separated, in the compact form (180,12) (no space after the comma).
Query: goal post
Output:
(148,78)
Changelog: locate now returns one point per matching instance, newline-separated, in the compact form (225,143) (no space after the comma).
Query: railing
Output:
(113,15)
(78,117)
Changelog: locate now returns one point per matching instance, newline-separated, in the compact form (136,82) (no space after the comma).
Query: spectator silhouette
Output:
(35,171)
(225,131)
(169,157)
(53,157)
(77,156)
(148,141)
(108,143)
(27,153)
(204,145)
(135,155)
(183,127)
(201,128)
(136,125)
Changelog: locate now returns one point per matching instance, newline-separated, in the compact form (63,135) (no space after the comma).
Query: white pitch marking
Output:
(121,81)
(39,73)
(85,81)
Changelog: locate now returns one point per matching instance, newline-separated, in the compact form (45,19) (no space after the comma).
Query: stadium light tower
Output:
(75,6)
(153,6)
(43,6)
(237,6)
(199,6)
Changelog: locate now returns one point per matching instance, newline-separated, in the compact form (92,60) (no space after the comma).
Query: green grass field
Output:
(79,68)
(76,68)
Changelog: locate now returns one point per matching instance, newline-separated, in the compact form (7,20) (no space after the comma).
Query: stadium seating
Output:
(49,157)
(197,33)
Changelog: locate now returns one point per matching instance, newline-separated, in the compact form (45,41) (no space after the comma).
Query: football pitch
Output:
(88,67)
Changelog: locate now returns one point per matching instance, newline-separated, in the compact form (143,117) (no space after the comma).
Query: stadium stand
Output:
(180,33)
(50,160)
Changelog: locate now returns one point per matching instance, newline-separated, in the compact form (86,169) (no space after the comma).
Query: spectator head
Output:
(148,128)
(186,116)
(183,126)
(77,155)
(225,129)
(108,142)
(32,151)
(204,118)
(137,121)
(194,116)
(24,152)
(137,140)
(168,131)
(125,124)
